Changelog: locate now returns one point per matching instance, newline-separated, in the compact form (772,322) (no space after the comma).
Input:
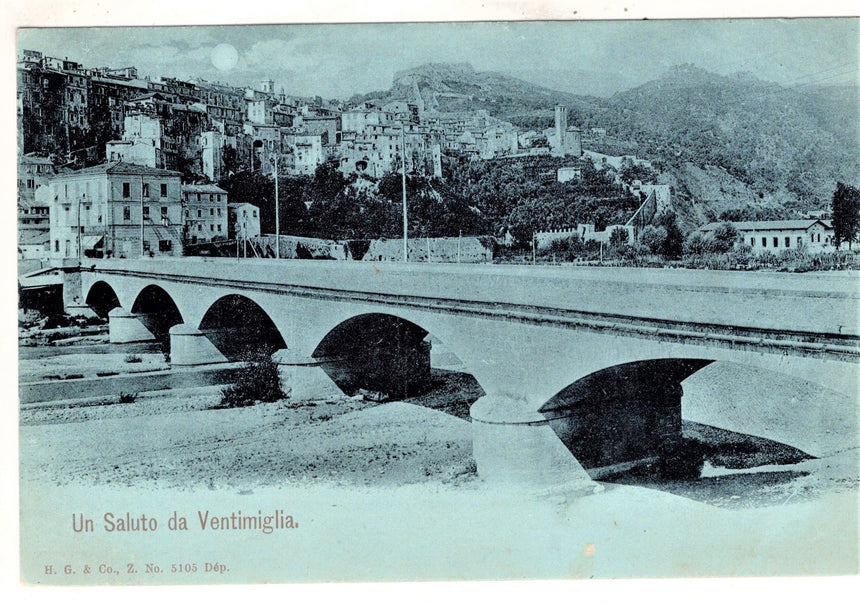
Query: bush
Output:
(125,398)
(257,381)
(132,359)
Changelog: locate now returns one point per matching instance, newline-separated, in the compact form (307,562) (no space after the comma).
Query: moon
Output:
(224,57)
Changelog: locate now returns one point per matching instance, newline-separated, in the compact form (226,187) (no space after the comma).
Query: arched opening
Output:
(623,414)
(380,354)
(237,325)
(709,431)
(102,299)
(158,312)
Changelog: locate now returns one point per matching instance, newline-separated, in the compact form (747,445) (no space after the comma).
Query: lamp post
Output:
(274,160)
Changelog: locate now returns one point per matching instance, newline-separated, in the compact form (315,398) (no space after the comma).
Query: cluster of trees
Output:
(663,238)
(474,198)
(846,214)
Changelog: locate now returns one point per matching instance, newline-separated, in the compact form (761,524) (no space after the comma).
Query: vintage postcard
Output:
(438,301)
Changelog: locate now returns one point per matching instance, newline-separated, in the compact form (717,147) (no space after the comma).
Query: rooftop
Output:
(768,225)
(202,188)
(121,167)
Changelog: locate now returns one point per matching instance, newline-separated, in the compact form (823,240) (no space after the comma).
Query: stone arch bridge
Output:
(581,367)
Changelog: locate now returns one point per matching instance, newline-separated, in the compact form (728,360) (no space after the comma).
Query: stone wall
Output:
(466,250)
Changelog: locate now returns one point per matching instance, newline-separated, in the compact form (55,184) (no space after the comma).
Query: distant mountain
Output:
(457,87)
(724,142)
(778,141)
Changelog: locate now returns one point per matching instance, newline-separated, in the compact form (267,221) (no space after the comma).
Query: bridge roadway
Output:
(546,344)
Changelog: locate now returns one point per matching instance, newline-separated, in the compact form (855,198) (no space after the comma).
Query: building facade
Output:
(244,221)
(116,209)
(813,236)
(204,212)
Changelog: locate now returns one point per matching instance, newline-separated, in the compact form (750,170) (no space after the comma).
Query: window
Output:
(811,237)
(57,245)
(163,189)
(799,241)
(764,241)
(776,241)
(165,245)
(219,212)
(126,190)
(211,212)
(145,189)
(254,213)
(126,213)
(146,245)
(819,237)
(752,241)
(211,228)
(163,212)
(186,213)
(788,241)
(145,212)
(219,228)
(199,213)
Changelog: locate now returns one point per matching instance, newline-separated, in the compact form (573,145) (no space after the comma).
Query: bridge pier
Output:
(125,327)
(513,445)
(190,346)
(304,376)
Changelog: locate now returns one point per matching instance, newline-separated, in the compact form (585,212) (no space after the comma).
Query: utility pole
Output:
(80,251)
(274,160)
(534,248)
(141,217)
(405,219)
(459,239)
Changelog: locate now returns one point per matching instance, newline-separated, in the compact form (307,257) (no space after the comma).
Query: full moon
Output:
(224,57)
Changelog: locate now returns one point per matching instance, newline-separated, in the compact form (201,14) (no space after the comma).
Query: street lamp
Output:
(274,161)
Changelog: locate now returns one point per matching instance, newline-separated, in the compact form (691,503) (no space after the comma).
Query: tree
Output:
(725,237)
(846,214)
(653,238)
(673,246)
(618,238)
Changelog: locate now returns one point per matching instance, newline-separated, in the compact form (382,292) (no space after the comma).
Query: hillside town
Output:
(115,165)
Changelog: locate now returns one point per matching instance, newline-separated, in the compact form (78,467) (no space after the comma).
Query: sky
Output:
(597,57)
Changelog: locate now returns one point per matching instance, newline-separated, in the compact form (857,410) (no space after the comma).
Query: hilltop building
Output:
(564,140)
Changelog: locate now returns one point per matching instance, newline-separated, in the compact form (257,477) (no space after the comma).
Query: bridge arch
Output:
(378,352)
(623,413)
(157,310)
(102,298)
(236,324)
